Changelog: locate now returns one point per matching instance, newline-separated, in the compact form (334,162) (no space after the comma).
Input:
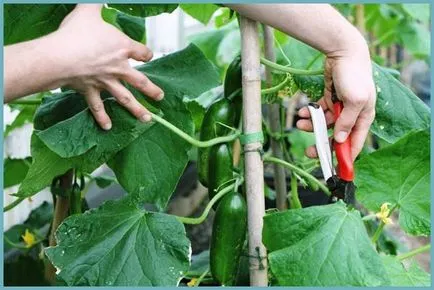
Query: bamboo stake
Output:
(274,119)
(254,171)
(360,18)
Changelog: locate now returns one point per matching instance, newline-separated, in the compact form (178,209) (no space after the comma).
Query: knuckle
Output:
(124,100)
(96,107)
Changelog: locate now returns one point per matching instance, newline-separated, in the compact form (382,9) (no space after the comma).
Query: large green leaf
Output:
(415,38)
(301,55)
(121,245)
(29,21)
(151,166)
(398,110)
(133,26)
(210,41)
(200,12)
(64,124)
(399,174)
(321,246)
(418,11)
(15,171)
(402,276)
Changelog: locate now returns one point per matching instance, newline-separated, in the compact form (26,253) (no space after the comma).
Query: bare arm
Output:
(86,54)
(347,63)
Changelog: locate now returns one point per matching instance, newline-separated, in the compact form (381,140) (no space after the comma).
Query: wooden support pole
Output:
(254,171)
(274,118)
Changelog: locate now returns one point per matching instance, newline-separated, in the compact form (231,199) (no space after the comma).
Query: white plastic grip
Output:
(322,143)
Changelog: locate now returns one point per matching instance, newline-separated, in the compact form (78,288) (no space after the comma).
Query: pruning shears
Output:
(339,181)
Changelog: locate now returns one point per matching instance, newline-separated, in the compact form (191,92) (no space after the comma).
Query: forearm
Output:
(318,25)
(33,66)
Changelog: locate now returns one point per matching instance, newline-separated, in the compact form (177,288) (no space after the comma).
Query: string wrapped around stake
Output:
(252,138)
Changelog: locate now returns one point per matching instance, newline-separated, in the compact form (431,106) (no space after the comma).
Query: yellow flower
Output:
(192,282)
(29,239)
(384,213)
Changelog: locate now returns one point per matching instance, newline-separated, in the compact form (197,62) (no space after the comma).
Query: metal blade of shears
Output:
(322,143)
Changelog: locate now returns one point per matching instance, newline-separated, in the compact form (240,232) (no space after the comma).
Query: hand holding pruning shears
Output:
(340,183)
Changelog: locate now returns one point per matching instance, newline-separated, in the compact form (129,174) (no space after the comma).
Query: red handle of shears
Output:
(345,168)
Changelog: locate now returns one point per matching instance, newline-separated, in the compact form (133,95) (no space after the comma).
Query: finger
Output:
(311,152)
(126,99)
(140,52)
(143,84)
(96,106)
(359,133)
(345,122)
(304,111)
(306,124)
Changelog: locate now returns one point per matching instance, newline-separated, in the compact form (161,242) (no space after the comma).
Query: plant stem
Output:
(27,102)
(414,252)
(295,200)
(19,246)
(191,140)
(60,214)
(204,215)
(274,119)
(13,204)
(199,280)
(369,217)
(380,228)
(276,88)
(300,171)
(254,168)
(291,70)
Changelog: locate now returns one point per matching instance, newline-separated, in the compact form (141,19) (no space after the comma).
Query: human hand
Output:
(351,72)
(97,59)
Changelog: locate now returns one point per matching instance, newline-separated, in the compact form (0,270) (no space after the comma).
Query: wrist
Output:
(350,44)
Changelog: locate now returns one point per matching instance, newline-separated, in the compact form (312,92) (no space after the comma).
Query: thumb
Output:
(345,122)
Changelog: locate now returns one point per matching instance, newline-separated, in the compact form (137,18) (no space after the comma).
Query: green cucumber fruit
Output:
(222,111)
(312,86)
(228,236)
(219,168)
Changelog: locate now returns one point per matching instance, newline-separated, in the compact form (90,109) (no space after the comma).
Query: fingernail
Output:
(160,96)
(146,118)
(107,126)
(341,136)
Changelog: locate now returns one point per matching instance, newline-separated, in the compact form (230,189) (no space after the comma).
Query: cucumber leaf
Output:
(119,244)
(65,127)
(321,246)
(24,22)
(402,276)
(15,171)
(398,109)
(399,174)
(201,12)
(151,166)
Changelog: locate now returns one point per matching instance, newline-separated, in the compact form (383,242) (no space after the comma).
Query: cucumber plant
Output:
(121,244)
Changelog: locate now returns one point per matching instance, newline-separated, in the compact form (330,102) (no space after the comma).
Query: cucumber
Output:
(221,111)
(312,86)
(219,168)
(228,236)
